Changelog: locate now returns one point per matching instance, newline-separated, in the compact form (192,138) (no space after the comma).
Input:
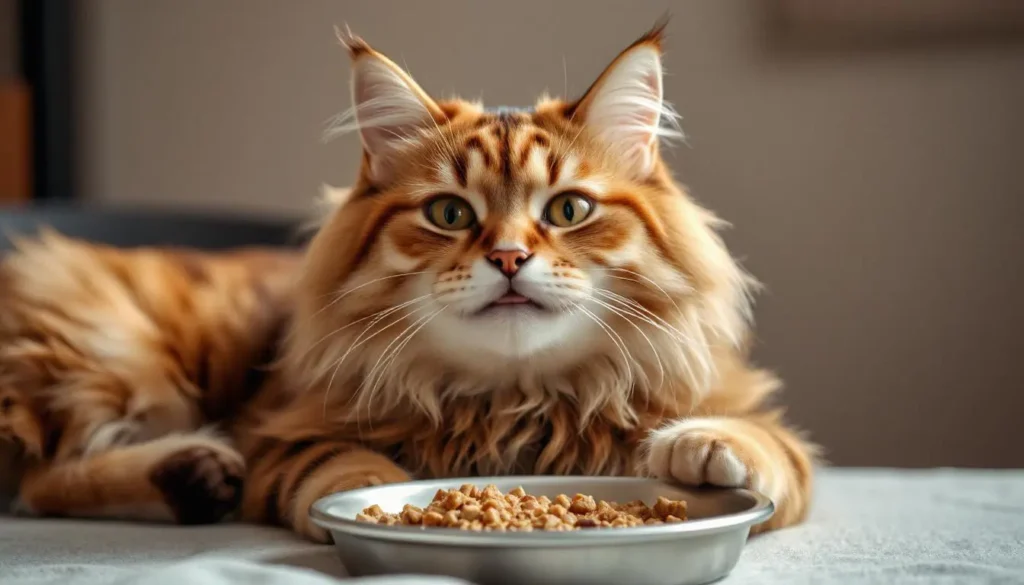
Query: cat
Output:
(500,291)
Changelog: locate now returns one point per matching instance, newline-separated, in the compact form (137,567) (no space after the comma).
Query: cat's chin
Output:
(513,331)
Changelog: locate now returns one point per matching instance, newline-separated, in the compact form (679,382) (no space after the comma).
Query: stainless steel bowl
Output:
(702,549)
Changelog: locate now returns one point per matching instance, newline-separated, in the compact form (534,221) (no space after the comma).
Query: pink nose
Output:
(508,261)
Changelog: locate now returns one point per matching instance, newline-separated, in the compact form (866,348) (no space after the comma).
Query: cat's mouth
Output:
(511,301)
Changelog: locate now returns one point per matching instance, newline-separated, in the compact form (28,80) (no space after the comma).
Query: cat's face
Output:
(496,240)
(514,240)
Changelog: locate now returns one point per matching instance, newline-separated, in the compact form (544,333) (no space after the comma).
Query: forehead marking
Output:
(506,110)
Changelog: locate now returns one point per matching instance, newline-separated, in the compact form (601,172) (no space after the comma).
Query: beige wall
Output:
(879,195)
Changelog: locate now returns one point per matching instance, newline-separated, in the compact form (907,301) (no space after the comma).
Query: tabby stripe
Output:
(650,222)
(535,138)
(554,168)
(296,472)
(474,142)
(460,166)
(505,150)
(272,512)
(311,467)
(374,231)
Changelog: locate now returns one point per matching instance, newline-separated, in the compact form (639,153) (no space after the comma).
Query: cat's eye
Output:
(450,213)
(568,209)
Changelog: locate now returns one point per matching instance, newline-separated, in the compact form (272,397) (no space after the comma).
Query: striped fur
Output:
(395,363)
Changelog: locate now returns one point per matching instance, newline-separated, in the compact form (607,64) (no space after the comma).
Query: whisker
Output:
(382,313)
(378,379)
(673,333)
(661,322)
(625,317)
(397,339)
(652,283)
(610,332)
(358,343)
(345,293)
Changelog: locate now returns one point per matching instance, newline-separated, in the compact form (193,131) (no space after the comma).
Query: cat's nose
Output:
(508,261)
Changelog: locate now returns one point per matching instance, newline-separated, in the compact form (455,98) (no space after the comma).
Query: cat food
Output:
(487,510)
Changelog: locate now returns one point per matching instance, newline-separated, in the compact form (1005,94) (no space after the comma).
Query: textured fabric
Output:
(867,526)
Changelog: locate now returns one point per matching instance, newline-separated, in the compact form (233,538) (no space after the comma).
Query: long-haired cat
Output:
(501,291)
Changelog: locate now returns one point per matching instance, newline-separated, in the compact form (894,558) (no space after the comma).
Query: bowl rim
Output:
(761,509)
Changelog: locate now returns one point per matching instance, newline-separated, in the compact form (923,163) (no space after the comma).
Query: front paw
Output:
(201,484)
(699,452)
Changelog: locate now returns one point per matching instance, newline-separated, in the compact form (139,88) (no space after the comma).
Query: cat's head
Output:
(504,244)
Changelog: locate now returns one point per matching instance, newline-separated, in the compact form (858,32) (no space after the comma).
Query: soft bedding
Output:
(867,526)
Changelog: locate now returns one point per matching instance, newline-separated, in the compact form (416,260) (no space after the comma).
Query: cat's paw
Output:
(699,451)
(201,484)
(386,474)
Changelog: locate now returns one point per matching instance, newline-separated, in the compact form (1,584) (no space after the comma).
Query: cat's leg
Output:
(285,479)
(190,479)
(753,450)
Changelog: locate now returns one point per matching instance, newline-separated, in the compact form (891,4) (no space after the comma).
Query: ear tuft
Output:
(352,42)
(655,36)
(388,108)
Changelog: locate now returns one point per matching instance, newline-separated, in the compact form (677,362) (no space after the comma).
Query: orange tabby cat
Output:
(502,291)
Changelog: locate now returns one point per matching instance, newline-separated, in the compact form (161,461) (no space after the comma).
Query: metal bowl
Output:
(700,550)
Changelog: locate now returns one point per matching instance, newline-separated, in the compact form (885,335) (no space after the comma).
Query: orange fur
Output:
(395,363)
(102,348)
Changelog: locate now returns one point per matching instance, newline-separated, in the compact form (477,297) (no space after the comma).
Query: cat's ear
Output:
(625,106)
(388,107)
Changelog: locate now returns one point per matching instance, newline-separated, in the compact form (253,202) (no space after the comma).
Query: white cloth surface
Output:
(866,526)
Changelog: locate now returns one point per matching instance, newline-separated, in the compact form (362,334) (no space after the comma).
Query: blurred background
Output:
(870,154)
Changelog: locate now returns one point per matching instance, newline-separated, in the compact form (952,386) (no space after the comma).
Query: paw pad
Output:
(200,484)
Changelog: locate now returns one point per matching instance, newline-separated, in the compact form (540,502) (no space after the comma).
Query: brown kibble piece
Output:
(664,508)
(491,517)
(488,510)
(582,504)
(471,511)
(432,519)
(411,514)
(453,500)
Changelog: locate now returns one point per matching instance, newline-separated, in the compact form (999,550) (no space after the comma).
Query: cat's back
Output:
(172,337)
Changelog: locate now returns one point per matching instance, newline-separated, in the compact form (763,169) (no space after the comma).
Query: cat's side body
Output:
(500,292)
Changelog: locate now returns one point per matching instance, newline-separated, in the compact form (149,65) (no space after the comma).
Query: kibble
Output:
(489,510)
